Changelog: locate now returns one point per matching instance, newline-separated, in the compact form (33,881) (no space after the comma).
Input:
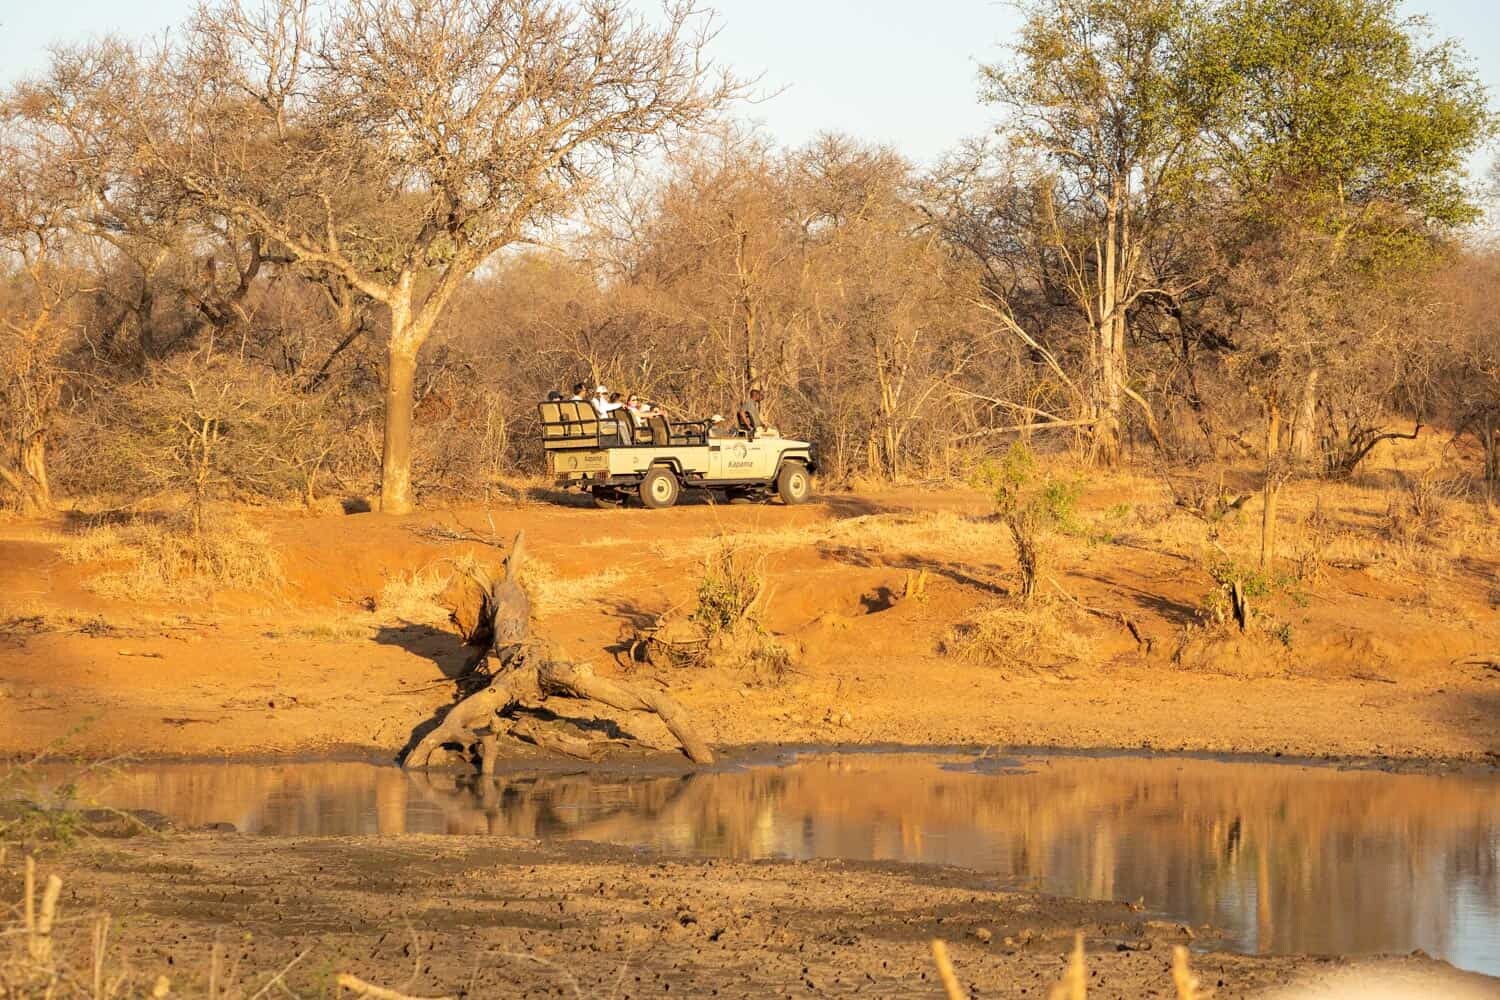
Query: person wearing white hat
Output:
(602,403)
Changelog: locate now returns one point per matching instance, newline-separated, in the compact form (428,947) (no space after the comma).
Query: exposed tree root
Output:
(526,673)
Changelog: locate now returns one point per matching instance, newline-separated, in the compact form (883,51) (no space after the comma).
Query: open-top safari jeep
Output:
(613,457)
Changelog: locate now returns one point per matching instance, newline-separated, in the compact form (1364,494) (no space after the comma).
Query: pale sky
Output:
(899,72)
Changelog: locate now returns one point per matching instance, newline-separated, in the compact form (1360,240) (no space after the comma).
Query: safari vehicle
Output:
(614,459)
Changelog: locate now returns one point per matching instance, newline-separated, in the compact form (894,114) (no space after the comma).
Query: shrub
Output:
(1238,587)
(1032,509)
(732,584)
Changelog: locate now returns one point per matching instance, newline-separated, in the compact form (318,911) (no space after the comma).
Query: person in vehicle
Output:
(747,414)
(604,402)
(553,396)
(578,396)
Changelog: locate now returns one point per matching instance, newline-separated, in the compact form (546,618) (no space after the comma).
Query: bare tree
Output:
(1091,92)
(36,320)
(401,143)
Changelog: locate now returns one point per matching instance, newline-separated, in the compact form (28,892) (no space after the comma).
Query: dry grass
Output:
(47,953)
(1075,978)
(32,617)
(164,561)
(1044,634)
(333,630)
(414,596)
(551,593)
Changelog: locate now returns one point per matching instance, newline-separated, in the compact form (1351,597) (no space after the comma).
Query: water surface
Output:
(1280,857)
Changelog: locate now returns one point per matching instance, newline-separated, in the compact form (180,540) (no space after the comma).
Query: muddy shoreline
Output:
(668,762)
(479,917)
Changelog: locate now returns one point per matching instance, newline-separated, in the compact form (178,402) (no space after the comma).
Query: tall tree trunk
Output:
(1272,489)
(395,458)
(34,466)
(27,479)
(1110,344)
(1304,421)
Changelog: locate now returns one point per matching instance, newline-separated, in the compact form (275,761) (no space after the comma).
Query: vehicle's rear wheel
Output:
(794,483)
(659,489)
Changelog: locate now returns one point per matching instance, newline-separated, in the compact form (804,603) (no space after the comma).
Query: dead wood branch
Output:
(1144,641)
(347,981)
(531,732)
(580,681)
(478,719)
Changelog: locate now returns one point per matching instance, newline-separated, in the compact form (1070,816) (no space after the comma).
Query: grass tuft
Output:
(165,561)
(1045,634)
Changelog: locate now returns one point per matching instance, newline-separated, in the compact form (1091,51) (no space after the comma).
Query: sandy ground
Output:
(1387,655)
(460,916)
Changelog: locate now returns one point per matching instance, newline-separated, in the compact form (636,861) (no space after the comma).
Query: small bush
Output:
(732,583)
(1044,634)
(1238,591)
(1032,508)
(1424,510)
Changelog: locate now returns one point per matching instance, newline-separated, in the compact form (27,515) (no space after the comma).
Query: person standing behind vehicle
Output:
(747,414)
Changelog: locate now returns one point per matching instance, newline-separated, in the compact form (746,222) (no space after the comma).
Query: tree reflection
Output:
(1282,857)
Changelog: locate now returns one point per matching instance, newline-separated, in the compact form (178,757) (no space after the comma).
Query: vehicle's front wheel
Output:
(659,489)
(793,483)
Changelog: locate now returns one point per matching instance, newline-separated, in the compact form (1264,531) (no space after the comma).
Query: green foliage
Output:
(24,818)
(1091,84)
(728,590)
(1339,102)
(1033,506)
(1234,580)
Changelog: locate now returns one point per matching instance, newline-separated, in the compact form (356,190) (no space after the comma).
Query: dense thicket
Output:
(348,245)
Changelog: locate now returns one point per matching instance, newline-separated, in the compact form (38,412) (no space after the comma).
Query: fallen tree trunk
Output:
(479,719)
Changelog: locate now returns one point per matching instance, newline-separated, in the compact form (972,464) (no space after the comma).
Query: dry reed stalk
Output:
(39,929)
(951,989)
(1074,983)
(1182,975)
(28,896)
(348,981)
(101,942)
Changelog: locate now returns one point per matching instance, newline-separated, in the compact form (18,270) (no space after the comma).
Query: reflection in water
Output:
(1283,858)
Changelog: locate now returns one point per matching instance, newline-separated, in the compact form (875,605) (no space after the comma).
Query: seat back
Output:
(552,427)
(661,431)
(585,419)
(624,425)
(569,424)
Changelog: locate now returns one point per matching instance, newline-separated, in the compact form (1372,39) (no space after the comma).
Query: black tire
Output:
(659,489)
(794,483)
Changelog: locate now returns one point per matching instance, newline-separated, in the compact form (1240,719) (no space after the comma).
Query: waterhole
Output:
(1279,857)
